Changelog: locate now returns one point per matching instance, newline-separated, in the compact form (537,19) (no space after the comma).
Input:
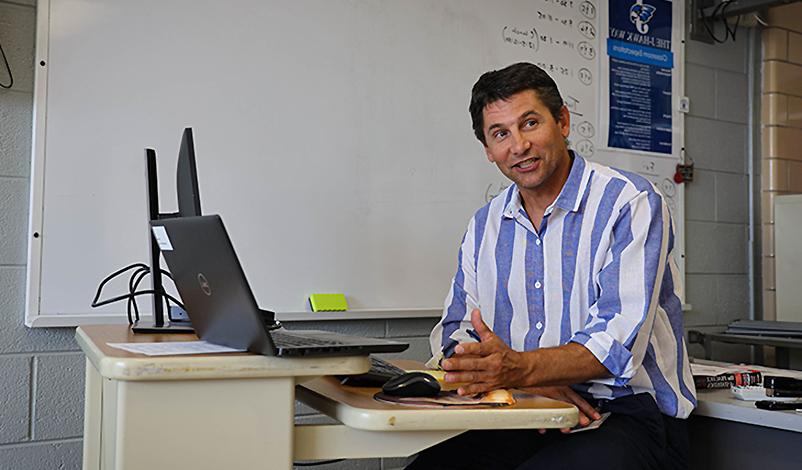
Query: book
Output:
(728,379)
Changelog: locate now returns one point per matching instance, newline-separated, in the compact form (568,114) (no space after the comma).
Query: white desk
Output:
(235,411)
(196,412)
(720,404)
(728,433)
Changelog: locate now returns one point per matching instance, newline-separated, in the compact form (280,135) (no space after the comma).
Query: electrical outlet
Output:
(684,104)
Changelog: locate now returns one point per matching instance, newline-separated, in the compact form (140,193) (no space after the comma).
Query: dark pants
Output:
(635,436)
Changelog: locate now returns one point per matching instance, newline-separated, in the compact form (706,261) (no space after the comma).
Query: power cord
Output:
(734,29)
(140,271)
(708,22)
(8,68)
(312,464)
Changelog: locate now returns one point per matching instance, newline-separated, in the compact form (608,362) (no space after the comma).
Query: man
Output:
(568,280)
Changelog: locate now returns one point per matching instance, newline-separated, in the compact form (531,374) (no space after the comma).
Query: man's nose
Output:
(520,144)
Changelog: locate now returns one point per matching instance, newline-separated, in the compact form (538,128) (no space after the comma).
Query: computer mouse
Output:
(412,384)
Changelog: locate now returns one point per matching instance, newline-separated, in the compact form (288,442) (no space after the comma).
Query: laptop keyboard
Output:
(286,340)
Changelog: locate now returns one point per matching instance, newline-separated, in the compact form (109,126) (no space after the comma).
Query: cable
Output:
(133,284)
(312,464)
(132,287)
(720,11)
(167,299)
(140,271)
(737,23)
(8,67)
(708,27)
(115,274)
(133,294)
(730,31)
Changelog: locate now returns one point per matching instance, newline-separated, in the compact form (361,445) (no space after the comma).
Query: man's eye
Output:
(530,123)
(500,134)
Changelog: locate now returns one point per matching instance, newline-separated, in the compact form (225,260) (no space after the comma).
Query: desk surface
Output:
(781,341)
(113,363)
(356,408)
(720,404)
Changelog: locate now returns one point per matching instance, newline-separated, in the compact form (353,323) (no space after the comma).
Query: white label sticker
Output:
(162,239)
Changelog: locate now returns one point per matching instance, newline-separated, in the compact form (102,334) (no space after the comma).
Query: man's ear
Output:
(565,121)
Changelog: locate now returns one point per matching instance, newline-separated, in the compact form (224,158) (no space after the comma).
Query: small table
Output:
(399,431)
(208,411)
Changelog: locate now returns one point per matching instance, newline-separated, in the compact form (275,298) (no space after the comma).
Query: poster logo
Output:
(640,14)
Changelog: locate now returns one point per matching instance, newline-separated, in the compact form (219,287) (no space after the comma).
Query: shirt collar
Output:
(569,197)
(574,186)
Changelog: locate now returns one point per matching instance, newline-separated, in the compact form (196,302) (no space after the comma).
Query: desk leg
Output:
(93,400)
(339,441)
(204,424)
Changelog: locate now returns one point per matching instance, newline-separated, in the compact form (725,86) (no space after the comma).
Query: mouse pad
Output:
(450,399)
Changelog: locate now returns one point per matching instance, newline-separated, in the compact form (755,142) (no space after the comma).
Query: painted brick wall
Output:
(717,201)
(781,127)
(41,399)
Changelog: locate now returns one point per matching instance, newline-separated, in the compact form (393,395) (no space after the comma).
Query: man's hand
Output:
(488,364)
(563,393)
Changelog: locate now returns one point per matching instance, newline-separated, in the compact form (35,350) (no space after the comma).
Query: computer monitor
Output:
(188,197)
(186,178)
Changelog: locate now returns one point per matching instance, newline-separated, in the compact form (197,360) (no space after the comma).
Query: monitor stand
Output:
(159,325)
(166,328)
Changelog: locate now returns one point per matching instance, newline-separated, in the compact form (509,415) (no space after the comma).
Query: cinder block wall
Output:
(41,370)
(717,200)
(781,127)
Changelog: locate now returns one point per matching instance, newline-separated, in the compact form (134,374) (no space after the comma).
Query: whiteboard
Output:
(331,135)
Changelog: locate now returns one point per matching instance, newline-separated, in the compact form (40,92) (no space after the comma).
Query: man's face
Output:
(527,143)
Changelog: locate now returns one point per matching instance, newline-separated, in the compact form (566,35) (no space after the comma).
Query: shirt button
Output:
(539,325)
(537,284)
(537,242)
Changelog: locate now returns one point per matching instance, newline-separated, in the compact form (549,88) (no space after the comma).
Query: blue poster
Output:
(640,59)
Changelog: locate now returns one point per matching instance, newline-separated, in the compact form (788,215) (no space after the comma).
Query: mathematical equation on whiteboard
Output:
(561,37)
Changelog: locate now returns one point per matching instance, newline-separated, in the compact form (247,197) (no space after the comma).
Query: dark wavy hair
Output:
(502,84)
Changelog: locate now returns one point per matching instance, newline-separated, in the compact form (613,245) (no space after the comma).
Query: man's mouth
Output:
(527,164)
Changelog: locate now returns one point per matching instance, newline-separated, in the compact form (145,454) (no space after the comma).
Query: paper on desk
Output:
(175,347)
(705,369)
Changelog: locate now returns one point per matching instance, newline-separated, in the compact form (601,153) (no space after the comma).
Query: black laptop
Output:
(220,302)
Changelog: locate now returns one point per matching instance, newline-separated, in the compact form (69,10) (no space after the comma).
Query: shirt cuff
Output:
(610,352)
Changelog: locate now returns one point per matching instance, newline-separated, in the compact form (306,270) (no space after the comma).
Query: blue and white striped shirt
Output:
(600,272)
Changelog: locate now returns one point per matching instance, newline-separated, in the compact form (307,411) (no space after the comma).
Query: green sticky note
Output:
(328,302)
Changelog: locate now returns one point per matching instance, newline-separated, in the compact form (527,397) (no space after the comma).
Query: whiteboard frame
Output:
(33,318)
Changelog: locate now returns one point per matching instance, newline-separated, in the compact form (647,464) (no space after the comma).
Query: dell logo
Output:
(204,284)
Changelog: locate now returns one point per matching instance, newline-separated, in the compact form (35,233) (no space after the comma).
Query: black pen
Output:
(474,335)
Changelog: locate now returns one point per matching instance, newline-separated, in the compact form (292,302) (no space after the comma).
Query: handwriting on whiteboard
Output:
(562,38)
(524,37)
(565,21)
